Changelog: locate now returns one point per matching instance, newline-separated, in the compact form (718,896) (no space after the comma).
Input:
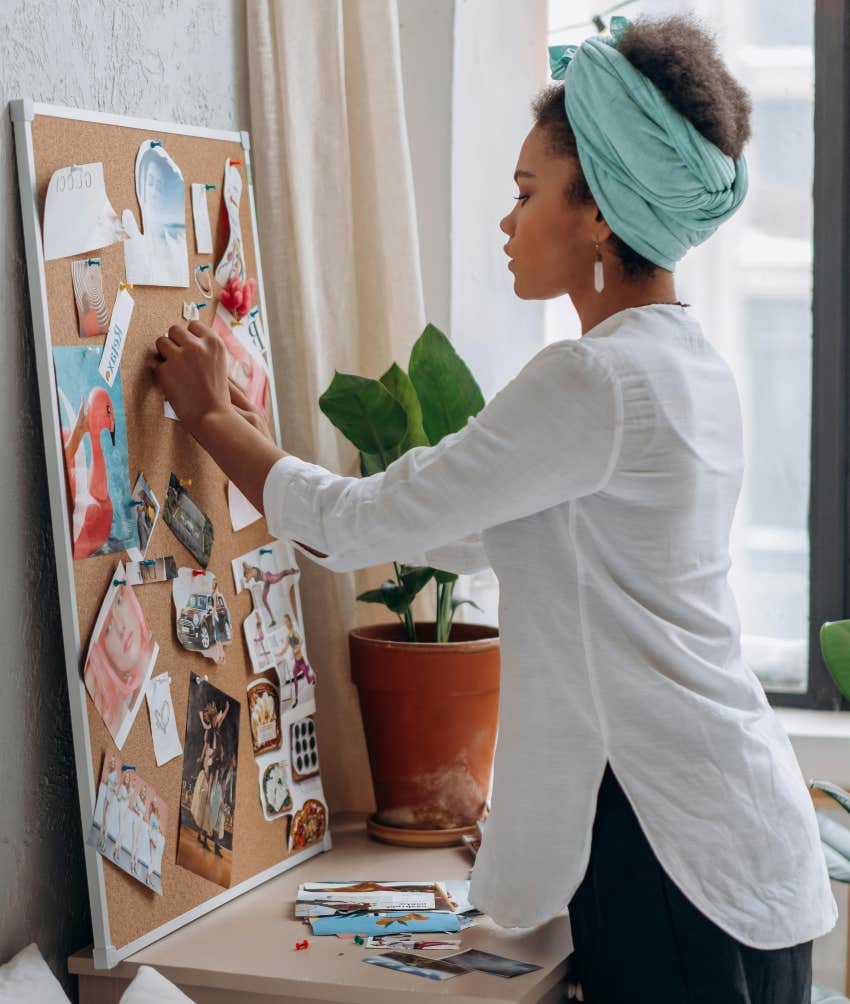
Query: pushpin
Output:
(266,550)
(359,939)
(119,582)
(149,561)
(125,285)
(156,142)
(203,268)
(203,303)
(301,944)
(208,187)
(92,261)
(184,481)
(136,502)
(235,163)
(197,571)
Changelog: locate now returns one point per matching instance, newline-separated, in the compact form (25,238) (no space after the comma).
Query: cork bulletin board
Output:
(126,915)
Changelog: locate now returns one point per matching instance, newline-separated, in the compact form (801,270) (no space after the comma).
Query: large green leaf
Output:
(398,383)
(835,648)
(367,414)
(447,391)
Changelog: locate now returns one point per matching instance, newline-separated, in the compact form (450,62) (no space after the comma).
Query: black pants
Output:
(638,939)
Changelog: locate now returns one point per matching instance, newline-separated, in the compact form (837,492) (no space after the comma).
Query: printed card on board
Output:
(188,521)
(120,659)
(94,437)
(208,790)
(129,823)
(201,612)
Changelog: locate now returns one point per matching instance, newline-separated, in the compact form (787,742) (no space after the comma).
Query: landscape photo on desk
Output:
(208,787)
(120,658)
(146,508)
(486,962)
(201,614)
(188,521)
(416,965)
(129,823)
(158,255)
(94,443)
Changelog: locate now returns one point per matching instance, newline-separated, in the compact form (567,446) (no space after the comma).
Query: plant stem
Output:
(407,615)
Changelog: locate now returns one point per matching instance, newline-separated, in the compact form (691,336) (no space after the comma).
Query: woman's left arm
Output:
(553,433)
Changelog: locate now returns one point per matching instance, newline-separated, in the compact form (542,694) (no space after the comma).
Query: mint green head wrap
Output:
(660,184)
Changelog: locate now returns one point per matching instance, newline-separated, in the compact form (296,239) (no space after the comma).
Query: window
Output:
(770,290)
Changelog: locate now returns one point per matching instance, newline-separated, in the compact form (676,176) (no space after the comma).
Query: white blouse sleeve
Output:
(553,433)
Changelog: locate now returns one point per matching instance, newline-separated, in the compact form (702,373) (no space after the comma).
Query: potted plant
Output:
(429,692)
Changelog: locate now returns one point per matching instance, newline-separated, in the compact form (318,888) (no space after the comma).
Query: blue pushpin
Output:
(149,561)
(203,268)
(92,261)
(136,503)
(208,187)
(119,582)
(266,550)
(156,142)
(199,305)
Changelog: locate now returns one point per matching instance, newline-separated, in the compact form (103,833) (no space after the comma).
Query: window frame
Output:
(829,499)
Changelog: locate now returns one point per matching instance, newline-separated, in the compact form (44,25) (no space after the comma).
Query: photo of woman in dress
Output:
(205,841)
(156,839)
(110,799)
(138,809)
(125,793)
(120,659)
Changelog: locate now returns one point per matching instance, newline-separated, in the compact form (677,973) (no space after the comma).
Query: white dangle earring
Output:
(598,277)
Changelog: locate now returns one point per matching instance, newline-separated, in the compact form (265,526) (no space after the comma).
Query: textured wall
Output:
(163,59)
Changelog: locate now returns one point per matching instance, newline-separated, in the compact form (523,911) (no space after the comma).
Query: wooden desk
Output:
(245,950)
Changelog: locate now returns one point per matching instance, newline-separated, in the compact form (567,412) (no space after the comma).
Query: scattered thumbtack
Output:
(359,939)
(301,944)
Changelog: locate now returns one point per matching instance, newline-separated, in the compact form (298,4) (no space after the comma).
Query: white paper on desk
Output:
(166,742)
(78,215)
(113,347)
(201,216)
(242,513)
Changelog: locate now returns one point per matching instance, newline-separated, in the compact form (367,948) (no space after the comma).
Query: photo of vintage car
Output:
(203,621)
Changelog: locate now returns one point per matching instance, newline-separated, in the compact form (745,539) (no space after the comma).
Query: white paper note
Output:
(242,513)
(113,347)
(166,742)
(78,215)
(201,215)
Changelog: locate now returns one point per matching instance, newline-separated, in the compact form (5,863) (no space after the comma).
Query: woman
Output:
(300,669)
(123,796)
(119,663)
(138,808)
(110,798)
(157,844)
(250,573)
(200,805)
(641,777)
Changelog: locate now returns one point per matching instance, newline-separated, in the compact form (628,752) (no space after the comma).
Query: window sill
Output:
(804,723)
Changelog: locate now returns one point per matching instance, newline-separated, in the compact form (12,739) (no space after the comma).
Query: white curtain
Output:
(339,245)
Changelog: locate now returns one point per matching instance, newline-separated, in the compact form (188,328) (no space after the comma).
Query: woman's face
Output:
(551,241)
(123,635)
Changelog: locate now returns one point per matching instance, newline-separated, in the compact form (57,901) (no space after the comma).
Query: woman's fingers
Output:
(238,397)
(166,347)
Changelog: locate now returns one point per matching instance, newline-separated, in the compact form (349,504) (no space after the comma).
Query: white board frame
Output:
(22,112)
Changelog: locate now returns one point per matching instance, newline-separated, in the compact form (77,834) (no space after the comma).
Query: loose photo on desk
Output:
(129,823)
(208,788)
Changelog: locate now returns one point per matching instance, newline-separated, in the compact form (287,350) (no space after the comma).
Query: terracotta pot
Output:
(430,713)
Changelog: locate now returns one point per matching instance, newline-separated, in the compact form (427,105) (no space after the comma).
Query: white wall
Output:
(182,62)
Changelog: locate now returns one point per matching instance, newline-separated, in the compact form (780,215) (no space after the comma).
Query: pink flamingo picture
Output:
(89,483)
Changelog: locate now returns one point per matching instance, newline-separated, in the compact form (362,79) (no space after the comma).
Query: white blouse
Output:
(600,485)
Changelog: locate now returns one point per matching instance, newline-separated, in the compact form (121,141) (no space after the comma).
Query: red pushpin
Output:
(301,944)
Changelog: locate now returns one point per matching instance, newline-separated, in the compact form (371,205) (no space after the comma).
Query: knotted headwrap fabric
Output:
(660,184)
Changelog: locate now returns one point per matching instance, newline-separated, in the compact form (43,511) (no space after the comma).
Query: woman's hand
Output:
(192,373)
